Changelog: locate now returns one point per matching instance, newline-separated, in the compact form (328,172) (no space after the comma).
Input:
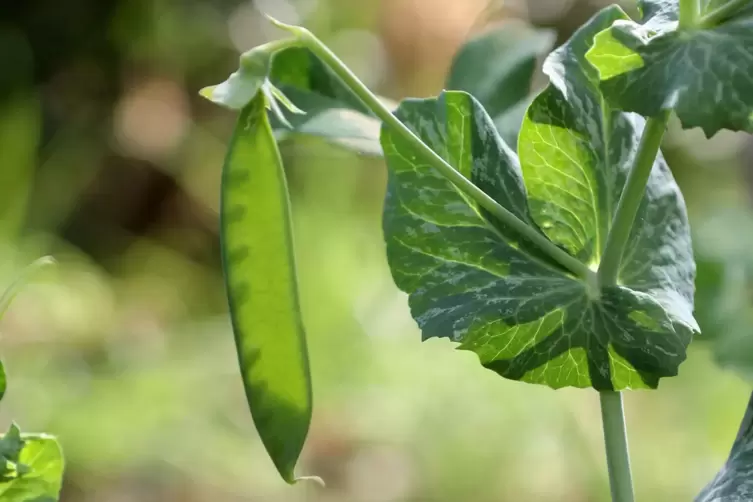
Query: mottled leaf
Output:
(497,68)
(34,467)
(704,74)
(473,280)
(260,275)
(734,482)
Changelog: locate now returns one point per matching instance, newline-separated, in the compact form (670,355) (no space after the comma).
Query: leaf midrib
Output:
(604,220)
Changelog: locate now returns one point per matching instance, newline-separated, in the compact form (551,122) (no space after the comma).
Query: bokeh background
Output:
(110,161)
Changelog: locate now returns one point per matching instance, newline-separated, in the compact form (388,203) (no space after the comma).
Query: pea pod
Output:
(260,277)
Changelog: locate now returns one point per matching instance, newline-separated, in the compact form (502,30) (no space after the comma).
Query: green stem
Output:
(615,441)
(23,277)
(722,13)
(373,103)
(631,198)
(689,13)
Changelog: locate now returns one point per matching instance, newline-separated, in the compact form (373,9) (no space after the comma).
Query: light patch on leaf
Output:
(495,340)
(644,320)
(613,58)
(623,373)
(569,369)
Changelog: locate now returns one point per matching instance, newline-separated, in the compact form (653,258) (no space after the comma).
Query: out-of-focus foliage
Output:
(125,351)
(512,51)
(724,287)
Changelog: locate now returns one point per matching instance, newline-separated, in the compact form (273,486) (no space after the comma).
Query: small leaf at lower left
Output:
(33,467)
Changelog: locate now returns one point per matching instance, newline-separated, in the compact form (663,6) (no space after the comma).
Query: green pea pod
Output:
(260,277)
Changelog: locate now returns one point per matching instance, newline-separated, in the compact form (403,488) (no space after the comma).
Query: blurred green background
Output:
(110,161)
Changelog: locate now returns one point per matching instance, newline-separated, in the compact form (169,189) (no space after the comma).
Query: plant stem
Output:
(11,291)
(722,13)
(354,84)
(615,440)
(689,13)
(630,200)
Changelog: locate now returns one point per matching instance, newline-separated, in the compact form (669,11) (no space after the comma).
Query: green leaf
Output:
(474,281)
(34,467)
(260,275)
(705,75)
(497,68)
(734,482)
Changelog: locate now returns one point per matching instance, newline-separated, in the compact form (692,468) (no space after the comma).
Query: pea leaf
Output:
(705,74)
(260,276)
(734,482)
(473,280)
(33,468)
(497,68)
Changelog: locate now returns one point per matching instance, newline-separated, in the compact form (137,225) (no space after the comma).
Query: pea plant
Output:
(542,231)
(31,465)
